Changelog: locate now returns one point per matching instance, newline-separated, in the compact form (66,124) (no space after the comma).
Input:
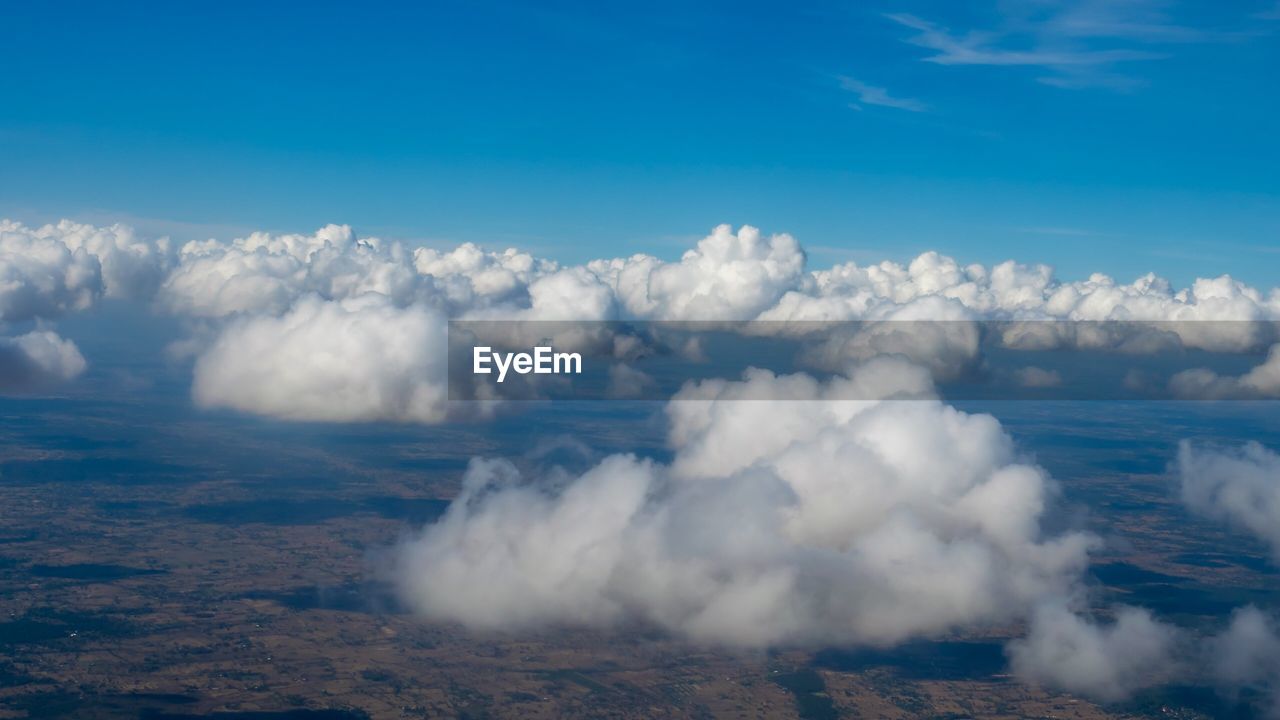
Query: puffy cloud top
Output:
(41,276)
(265,273)
(727,276)
(48,271)
(53,269)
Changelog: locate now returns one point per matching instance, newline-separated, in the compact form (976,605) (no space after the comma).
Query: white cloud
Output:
(728,276)
(1108,662)
(872,95)
(37,360)
(471,277)
(1238,486)
(855,522)
(268,273)
(49,271)
(54,269)
(360,359)
(132,266)
(41,277)
(1262,381)
(1074,43)
(1247,656)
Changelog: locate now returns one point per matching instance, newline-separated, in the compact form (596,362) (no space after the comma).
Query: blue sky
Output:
(1095,136)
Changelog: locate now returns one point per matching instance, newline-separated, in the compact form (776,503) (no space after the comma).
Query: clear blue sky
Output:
(1113,136)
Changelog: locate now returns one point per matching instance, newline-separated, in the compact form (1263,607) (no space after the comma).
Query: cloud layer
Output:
(821,516)
(729,275)
(263,280)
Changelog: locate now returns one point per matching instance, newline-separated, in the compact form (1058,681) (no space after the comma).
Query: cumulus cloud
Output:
(1238,486)
(265,273)
(727,276)
(1263,381)
(360,359)
(41,277)
(132,266)
(1011,291)
(472,277)
(339,302)
(51,270)
(37,360)
(1246,656)
(1067,651)
(54,269)
(844,521)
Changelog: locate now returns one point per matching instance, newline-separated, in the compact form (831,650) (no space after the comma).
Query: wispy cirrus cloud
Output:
(1068,66)
(1076,43)
(872,95)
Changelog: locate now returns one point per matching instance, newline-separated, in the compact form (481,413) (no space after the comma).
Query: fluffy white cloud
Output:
(41,277)
(48,271)
(53,269)
(1237,486)
(1010,291)
(37,360)
(338,302)
(265,273)
(727,276)
(1107,662)
(835,521)
(471,277)
(132,266)
(731,275)
(360,359)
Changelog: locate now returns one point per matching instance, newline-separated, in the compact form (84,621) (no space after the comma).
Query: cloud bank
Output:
(741,274)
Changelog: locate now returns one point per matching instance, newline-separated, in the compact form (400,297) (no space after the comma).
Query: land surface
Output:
(199,567)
